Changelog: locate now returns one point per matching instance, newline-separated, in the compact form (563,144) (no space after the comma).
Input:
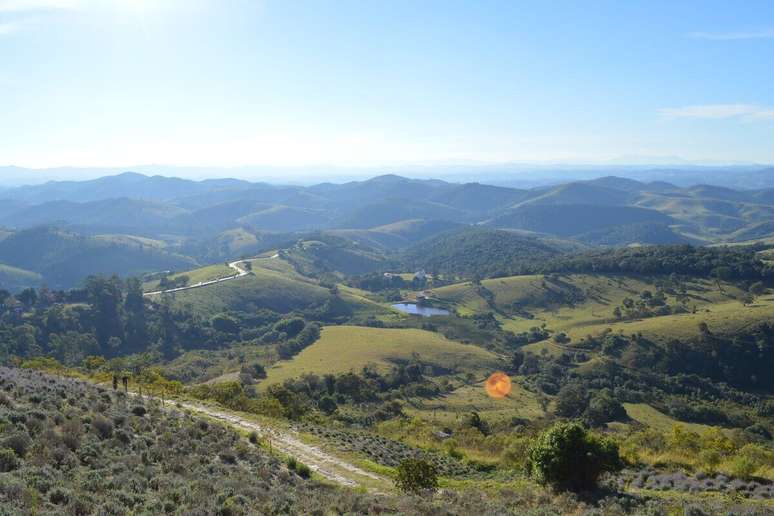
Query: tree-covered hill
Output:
(475,252)
(64,258)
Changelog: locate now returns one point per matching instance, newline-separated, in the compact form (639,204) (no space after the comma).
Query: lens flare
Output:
(498,385)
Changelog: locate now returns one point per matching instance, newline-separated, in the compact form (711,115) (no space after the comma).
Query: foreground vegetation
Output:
(655,361)
(70,447)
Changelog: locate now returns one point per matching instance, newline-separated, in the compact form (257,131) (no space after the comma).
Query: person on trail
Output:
(115,382)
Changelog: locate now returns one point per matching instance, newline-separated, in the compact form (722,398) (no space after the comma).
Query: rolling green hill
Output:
(14,279)
(395,210)
(646,233)
(604,211)
(397,235)
(478,252)
(566,220)
(264,288)
(286,218)
(64,258)
(349,348)
(479,198)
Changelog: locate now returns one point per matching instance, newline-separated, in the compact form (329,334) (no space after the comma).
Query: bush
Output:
(416,475)
(327,405)
(743,467)
(567,457)
(139,410)
(8,460)
(303,470)
(103,426)
(18,442)
(59,496)
(709,460)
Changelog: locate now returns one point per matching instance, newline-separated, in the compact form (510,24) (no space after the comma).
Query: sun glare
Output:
(498,385)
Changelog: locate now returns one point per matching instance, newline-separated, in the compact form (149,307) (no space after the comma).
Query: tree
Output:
(517,360)
(136,322)
(327,405)
(291,327)
(225,323)
(602,408)
(415,476)
(28,297)
(567,457)
(106,297)
(757,289)
(571,400)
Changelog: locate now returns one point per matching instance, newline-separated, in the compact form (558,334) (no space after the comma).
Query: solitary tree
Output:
(567,457)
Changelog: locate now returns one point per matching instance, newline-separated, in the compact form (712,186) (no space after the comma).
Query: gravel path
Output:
(326,465)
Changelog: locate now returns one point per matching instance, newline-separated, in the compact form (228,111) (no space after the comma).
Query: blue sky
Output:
(237,82)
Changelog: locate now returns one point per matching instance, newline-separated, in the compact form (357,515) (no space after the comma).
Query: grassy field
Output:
(365,307)
(262,289)
(461,402)
(349,348)
(543,300)
(648,416)
(211,272)
(134,240)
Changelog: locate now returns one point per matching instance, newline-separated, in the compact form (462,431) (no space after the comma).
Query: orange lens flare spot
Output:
(498,385)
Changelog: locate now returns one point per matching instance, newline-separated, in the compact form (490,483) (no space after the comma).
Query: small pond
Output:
(424,311)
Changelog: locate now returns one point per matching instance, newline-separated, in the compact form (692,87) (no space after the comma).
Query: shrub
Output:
(327,405)
(292,463)
(303,470)
(743,467)
(139,410)
(18,442)
(228,457)
(416,475)
(253,437)
(59,496)
(8,460)
(103,426)
(567,457)
(709,460)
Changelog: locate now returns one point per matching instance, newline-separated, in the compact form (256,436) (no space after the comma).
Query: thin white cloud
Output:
(731,36)
(720,112)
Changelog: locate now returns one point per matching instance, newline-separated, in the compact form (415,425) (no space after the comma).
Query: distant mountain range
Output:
(160,206)
(172,222)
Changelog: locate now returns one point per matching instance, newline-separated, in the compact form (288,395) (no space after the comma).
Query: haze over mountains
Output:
(133,223)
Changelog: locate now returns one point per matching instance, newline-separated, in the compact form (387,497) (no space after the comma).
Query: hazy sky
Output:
(235,82)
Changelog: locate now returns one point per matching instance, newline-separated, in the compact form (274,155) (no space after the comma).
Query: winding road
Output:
(240,272)
(324,464)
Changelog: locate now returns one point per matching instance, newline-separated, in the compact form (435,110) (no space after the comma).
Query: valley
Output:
(312,345)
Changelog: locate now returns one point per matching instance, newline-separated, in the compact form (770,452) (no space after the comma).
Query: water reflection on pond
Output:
(424,311)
